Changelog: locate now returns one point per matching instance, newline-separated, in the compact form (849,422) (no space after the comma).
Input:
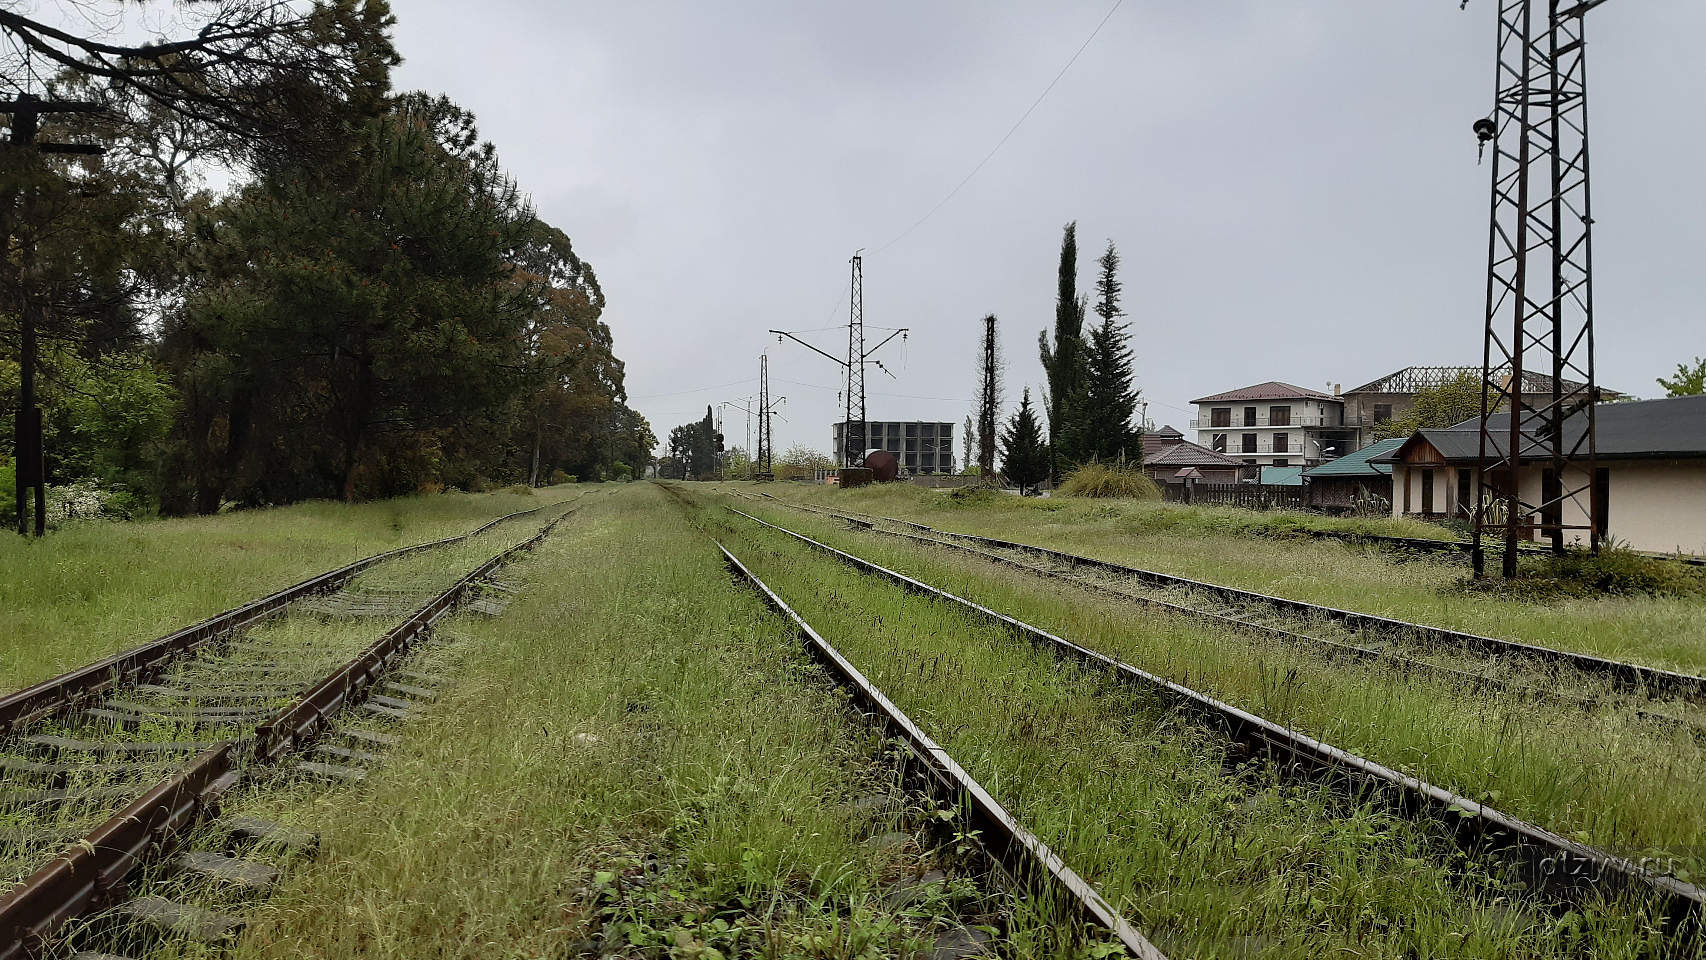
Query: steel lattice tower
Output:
(1537,358)
(764,436)
(853,444)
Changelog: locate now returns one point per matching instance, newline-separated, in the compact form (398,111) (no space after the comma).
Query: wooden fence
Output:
(1255,496)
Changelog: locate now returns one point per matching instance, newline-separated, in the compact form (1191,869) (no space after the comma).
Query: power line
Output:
(1011,130)
(677,393)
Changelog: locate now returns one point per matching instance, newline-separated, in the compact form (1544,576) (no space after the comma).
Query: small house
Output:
(1354,481)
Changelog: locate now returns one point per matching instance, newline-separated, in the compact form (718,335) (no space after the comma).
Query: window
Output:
(1281,462)
(1249,443)
(1249,416)
(1219,443)
(1279,416)
(1280,443)
(1221,417)
(1382,412)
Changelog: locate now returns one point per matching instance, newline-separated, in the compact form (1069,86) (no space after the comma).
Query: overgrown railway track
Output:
(1552,865)
(1381,638)
(1025,859)
(236,703)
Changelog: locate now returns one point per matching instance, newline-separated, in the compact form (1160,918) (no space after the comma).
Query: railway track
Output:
(1024,858)
(1551,865)
(168,731)
(1345,632)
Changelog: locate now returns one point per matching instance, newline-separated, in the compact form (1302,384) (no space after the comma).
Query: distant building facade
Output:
(1273,424)
(922,446)
(1169,458)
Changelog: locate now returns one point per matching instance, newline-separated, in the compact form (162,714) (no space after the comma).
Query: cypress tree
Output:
(1063,364)
(988,398)
(1103,429)
(1024,454)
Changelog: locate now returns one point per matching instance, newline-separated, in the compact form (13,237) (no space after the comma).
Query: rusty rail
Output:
(90,875)
(300,722)
(1019,851)
(51,696)
(1551,863)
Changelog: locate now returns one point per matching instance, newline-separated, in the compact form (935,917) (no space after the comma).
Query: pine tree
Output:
(1063,364)
(1024,454)
(1103,430)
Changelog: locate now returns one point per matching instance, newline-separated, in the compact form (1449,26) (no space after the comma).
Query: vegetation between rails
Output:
(97,588)
(1207,862)
(1212,545)
(635,754)
(1561,769)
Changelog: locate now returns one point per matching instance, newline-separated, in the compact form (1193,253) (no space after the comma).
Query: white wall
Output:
(1654,505)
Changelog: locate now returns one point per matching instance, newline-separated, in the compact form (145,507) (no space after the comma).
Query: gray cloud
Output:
(1293,186)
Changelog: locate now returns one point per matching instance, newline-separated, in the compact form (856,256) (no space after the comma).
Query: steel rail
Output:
(1653,680)
(1019,851)
(91,873)
(51,696)
(1330,648)
(1551,863)
(300,722)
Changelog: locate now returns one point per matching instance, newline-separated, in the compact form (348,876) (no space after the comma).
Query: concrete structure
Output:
(1272,424)
(1651,477)
(923,447)
(1393,396)
(1353,482)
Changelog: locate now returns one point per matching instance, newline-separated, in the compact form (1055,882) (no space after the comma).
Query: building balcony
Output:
(1266,423)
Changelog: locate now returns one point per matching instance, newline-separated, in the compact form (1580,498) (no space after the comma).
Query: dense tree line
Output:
(370,308)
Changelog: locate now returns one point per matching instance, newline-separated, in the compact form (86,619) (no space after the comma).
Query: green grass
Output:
(95,588)
(1109,481)
(1206,861)
(1568,772)
(635,746)
(1213,545)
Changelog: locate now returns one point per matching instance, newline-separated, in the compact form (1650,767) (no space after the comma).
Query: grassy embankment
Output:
(1564,770)
(95,588)
(1207,862)
(637,747)
(1250,549)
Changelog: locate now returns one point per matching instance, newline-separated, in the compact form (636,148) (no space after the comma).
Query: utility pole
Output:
(988,398)
(763,462)
(1539,316)
(22,163)
(853,445)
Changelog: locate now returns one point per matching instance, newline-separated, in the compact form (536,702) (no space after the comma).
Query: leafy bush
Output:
(1109,480)
(1615,571)
(8,491)
(558,476)
(519,489)
(87,500)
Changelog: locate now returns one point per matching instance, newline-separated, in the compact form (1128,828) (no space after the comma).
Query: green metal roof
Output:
(1356,464)
(1282,476)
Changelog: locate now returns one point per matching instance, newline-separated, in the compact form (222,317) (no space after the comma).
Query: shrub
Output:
(519,489)
(1109,480)
(8,491)
(87,500)
(558,476)
(1615,571)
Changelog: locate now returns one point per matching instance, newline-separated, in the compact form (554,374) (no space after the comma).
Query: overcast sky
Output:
(1293,186)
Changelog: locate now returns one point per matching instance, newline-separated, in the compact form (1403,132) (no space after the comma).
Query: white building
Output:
(1272,424)
(1651,477)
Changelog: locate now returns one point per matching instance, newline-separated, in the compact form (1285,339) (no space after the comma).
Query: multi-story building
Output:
(1393,396)
(1273,424)
(921,446)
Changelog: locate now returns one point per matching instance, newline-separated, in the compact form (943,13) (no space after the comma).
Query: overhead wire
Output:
(1005,137)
